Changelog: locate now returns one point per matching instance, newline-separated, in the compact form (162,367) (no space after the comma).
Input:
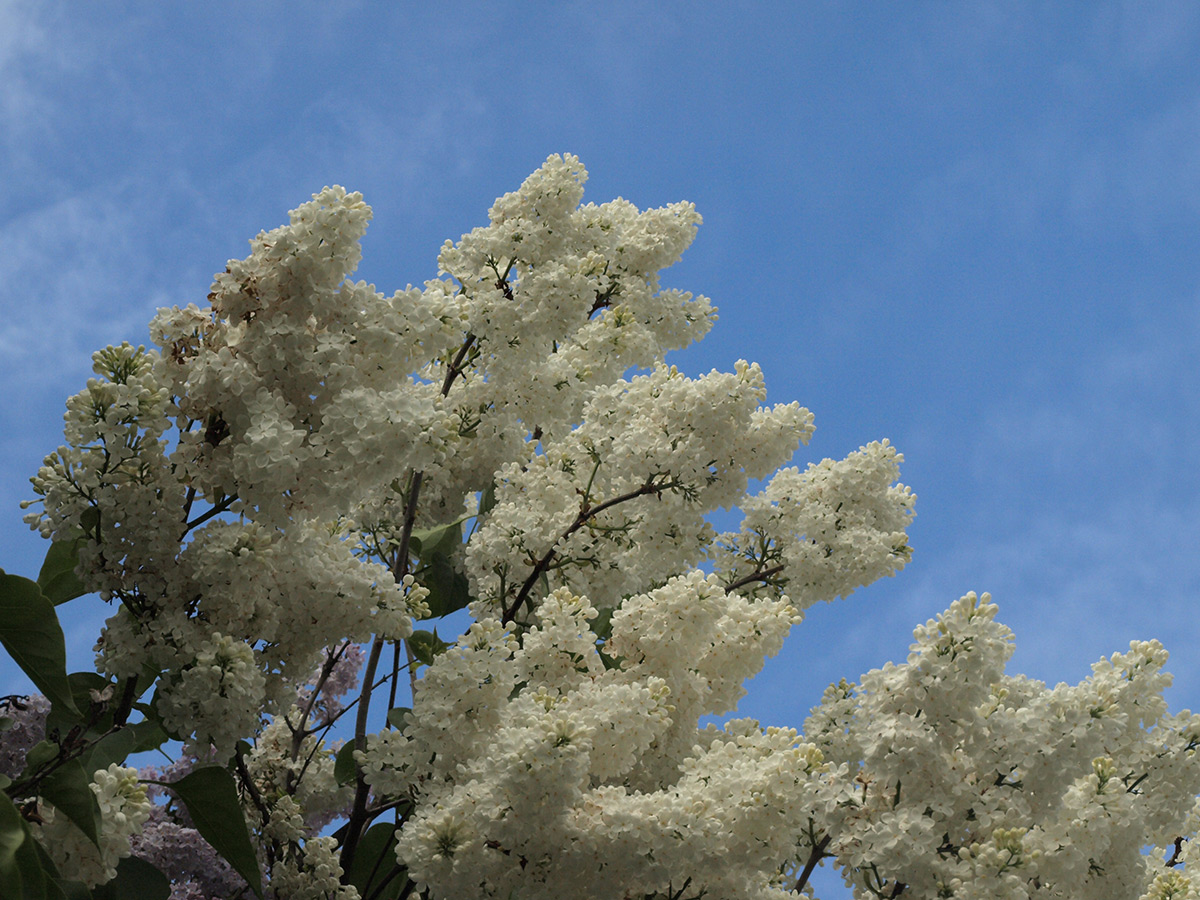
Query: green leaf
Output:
(611,662)
(439,541)
(89,519)
(426,646)
(449,589)
(57,578)
(12,836)
(39,754)
(602,625)
(56,887)
(69,788)
(398,717)
(150,736)
(210,795)
(82,684)
(112,748)
(30,632)
(70,890)
(488,501)
(345,769)
(35,868)
(136,880)
(373,861)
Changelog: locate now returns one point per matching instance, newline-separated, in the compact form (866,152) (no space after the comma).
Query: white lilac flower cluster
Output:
(124,807)
(653,455)
(825,531)
(548,769)
(292,471)
(954,779)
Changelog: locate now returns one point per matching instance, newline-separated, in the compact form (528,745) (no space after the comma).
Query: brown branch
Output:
(818,853)
(586,513)
(762,575)
(1175,860)
(455,369)
(358,813)
(256,798)
(215,511)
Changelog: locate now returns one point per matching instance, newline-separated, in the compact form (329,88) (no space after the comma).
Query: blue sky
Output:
(971,228)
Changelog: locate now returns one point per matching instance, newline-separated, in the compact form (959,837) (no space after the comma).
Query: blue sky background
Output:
(971,228)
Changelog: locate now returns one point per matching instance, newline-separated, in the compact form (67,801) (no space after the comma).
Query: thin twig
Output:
(586,514)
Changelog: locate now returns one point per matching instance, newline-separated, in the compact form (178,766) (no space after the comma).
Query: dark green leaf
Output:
(602,624)
(136,880)
(81,684)
(440,541)
(611,662)
(12,836)
(35,868)
(150,736)
(345,770)
(449,589)
(57,578)
(488,501)
(426,646)
(89,519)
(210,795)
(112,748)
(374,860)
(68,787)
(39,754)
(71,890)
(53,886)
(30,632)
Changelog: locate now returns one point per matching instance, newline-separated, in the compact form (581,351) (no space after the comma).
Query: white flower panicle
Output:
(293,392)
(217,697)
(110,484)
(620,501)
(826,531)
(954,779)
(587,779)
(124,808)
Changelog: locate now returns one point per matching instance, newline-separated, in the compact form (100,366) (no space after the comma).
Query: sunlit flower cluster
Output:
(955,779)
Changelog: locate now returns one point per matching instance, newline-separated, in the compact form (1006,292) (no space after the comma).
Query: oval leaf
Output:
(345,770)
(57,579)
(112,748)
(12,836)
(210,795)
(69,788)
(426,646)
(30,632)
(82,684)
(374,861)
(449,589)
(136,880)
(439,541)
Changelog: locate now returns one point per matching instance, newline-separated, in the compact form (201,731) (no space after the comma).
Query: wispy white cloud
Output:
(68,270)
(37,46)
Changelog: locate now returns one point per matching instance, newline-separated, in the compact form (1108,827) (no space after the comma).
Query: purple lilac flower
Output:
(27,727)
